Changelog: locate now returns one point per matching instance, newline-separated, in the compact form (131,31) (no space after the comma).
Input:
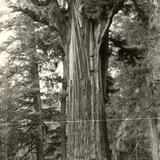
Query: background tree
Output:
(26,47)
(95,40)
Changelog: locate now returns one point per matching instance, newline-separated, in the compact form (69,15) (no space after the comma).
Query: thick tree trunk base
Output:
(86,125)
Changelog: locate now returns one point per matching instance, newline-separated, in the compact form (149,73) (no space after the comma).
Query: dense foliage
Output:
(33,95)
(31,44)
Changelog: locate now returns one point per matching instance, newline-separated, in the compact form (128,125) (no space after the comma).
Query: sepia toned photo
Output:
(79,79)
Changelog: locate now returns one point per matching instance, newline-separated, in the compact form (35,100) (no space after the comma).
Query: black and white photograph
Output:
(79,79)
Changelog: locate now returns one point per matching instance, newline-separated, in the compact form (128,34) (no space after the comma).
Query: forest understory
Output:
(79,80)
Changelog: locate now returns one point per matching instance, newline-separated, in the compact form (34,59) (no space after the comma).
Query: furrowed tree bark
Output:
(153,80)
(86,47)
(63,113)
(86,120)
(154,137)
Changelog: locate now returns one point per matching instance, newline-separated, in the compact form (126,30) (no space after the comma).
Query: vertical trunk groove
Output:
(153,79)
(154,137)
(86,127)
(63,111)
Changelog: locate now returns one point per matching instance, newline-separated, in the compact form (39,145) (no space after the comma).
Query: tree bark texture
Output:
(154,138)
(86,119)
(153,80)
(63,113)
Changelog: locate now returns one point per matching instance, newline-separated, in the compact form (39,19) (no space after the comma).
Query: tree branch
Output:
(123,45)
(29,150)
(116,7)
(34,12)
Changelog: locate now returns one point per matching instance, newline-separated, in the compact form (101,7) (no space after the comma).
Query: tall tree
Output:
(153,79)
(83,27)
(30,55)
(34,69)
(84,30)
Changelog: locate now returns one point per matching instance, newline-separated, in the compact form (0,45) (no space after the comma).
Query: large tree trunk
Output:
(63,113)
(86,119)
(37,107)
(153,80)
(154,137)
